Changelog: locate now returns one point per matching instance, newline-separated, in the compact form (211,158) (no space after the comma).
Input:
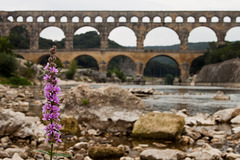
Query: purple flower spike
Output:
(51,108)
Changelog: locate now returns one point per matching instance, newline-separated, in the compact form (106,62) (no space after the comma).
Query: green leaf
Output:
(38,150)
(61,154)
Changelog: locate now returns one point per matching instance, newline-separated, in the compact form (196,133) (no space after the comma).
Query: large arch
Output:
(233,34)
(124,36)
(199,38)
(163,38)
(87,61)
(19,37)
(86,37)
(47,40)
(43,60)
(123,64)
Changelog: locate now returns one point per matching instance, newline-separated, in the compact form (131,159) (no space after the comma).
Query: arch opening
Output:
(122,64)
(19,37)
(110,19)
(134,19)
(162,67)
(40,19)
(233,34)
(191,19)
(202,19)
(98,19)
(29,19)
(122,19)
(86,37)
(43,60)
(168,19)
(87,19)
(146,19)
(200,37)
(215,19)
(75,19)
(10,18)
(156,19)
(196,65)
(63,19)
(122,37)
(179,19)
(86,61)
(227,19)
(19,19)
(162,38)
(52,19)
(56,38)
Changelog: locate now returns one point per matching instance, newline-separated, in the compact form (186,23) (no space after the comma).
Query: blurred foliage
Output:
(19,37)
(71,70)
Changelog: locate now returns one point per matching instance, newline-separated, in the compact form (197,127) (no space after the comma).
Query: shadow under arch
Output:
(123,64)
(19,37)
(161,66)
(43,60)
(87,61)
(196,65)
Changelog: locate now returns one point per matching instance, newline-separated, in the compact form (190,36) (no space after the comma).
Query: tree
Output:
(19,37)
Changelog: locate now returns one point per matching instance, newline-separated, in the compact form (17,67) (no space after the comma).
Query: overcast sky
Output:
(161,36)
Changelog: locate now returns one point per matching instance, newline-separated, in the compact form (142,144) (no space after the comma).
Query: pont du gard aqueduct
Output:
(105,21)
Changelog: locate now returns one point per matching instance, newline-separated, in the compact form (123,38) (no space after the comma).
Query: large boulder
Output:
(16,124)
(111,109)
(167,154)
(224,115)
(159,126)
(102,152)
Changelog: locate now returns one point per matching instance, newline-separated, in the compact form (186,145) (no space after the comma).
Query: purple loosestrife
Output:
(51,107)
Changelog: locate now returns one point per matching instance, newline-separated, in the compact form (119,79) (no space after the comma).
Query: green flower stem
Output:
(51,153)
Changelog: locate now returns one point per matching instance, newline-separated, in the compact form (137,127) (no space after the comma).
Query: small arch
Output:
(145,19)
(52,19)
(122,63)
(215,19)
(75,19)
(40,19)
(190,19)
(238,19)
(19,19)
(63,19)
(110,19)
(134,19)
(156,19)
(87,19)
(122,19)
(161,66)
(168,19)
(233,34)
(10,18)
(202,19)
(29,19)
(179,19)
(98,19)
(227,19)
(87,61)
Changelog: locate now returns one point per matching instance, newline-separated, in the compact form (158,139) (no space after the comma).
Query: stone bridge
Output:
(140,22)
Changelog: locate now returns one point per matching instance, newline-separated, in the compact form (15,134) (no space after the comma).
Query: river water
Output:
(193,98)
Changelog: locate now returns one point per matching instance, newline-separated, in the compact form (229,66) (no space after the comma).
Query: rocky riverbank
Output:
(98,124)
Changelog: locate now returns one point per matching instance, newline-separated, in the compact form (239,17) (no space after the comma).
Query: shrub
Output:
(8,64)
(169,79)
(15,80)
(71,70)
(29,72)
(84,102)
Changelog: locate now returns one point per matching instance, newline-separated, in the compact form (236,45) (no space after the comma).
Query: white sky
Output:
(160,36)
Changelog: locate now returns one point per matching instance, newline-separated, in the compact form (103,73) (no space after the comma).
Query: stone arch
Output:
(43,59)
(87,61)
(156,19)
(117,32)
(29,19)
(190,19)
(173,38)
(237,19)
(134,19)
(98,19)
(122,63)
(88,30)
(20,19)
(10,18)
(146,19)
(87,19)
(174,67)
(52,19)
(56,32)
(203,36)
(233,34)
(19,36)
(179,19)
(168,19)
(64,19)
(227,19)
(202,19)
(75,19)
(40,19)
(214,19)
(110,19)
(122,19)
